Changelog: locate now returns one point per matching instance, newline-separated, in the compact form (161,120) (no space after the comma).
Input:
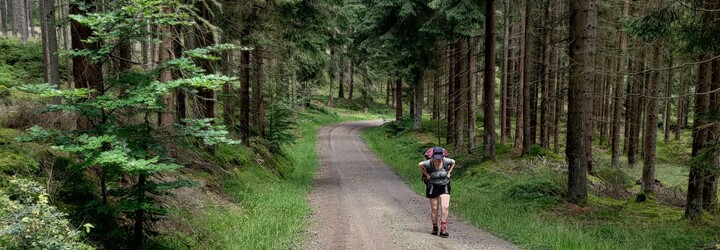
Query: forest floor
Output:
(520,199)
(359,203)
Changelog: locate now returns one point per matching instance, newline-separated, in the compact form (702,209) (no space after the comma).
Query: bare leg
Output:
(445,200)
(434,210)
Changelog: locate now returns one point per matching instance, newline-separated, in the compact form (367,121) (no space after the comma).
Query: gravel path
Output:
(359,203)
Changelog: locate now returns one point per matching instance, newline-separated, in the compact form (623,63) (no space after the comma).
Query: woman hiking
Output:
(436,174)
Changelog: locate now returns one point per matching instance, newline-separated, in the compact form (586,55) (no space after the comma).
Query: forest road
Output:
(359,203)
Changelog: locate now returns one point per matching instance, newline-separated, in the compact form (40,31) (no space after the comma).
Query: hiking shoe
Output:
(444,234)
(443,230)
(435,230)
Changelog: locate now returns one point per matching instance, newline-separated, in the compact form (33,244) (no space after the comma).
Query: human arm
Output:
(452,166)
(421,165)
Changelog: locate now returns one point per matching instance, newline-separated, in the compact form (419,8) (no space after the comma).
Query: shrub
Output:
(4,92)
(539,192)
(615,177)
(21,63)
(28,221)
(536,150)
(399,127)
(280,119)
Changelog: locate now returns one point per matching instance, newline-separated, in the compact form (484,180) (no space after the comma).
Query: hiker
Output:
(436,175)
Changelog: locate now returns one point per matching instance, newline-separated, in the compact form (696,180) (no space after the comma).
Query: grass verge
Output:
(524,204)
(266,205)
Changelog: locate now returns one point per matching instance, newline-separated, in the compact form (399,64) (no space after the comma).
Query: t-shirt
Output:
(438,177)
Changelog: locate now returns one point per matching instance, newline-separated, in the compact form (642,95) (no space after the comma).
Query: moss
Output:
(7,136)
(4,92)
(16,157)
(11,162)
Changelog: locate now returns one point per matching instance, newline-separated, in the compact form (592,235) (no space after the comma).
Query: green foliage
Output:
(264,202)
(280,119)
(20,64)
(482,195)
(4,92)
(206,130)
(398,127)
(28,221)
(12,162)
(614,177)
(16,158)
(110,139)
(538,191)
(536,150)
(655,25)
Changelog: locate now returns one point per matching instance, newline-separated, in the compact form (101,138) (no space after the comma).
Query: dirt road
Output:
(359,203)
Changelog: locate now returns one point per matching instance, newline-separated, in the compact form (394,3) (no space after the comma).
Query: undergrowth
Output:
(267,206)
(520,199)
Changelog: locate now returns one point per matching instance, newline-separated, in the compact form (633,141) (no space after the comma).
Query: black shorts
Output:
(433,191)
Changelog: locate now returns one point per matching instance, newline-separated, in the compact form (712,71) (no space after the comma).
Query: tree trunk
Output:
(228,97)
(617,111)
(710,187)
(245,97)
(138,235)
(352,79)
(418,110)
(471,95)
(181,104)
(12,10)
(398,100)
(412,103)
(489,83)
(668,101)
(331,98)
(559,102)
(634,108)
(583,21)
(31,21)
(459,97)
(450,97)
(167,117)
(504,78)
(85,73)
(698,172)
(205,39)
(545,83)
(63,14)
(605,104)
(258,94)
(682,104)
(4,16)
(650,133)
(525,82)
(511,88)
(388,89)
(436,98)
(555,94)
(145,50)
(21,19)
(520,106)
(341,81)
(50,46)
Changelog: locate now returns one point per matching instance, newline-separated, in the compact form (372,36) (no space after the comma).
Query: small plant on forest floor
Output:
(125,152)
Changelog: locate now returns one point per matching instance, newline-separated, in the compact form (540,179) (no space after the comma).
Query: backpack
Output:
(439,176)
(431,151)
(436,176)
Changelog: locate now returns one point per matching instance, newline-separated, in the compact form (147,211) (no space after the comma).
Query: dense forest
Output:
(110,110)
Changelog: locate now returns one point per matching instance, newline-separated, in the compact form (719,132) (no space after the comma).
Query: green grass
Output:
(486,195)
(268,207)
